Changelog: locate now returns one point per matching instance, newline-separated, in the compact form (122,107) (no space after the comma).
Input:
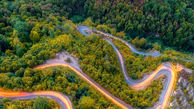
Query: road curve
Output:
(166,69)
(63,100)
(85,30)
(109,96)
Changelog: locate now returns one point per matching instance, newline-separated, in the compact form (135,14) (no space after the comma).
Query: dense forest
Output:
(32,31)
(166,20)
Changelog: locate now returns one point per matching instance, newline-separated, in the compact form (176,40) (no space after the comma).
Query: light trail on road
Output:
(58,97)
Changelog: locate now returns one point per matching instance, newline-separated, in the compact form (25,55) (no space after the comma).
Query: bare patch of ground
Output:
(65,58)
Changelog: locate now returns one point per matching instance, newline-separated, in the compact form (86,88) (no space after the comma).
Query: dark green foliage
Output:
(77,19)
(4,43)
(41,103)
(22,28)
(169,20)
(19,51)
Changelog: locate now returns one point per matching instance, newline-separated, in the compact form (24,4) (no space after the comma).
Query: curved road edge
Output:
(63,100)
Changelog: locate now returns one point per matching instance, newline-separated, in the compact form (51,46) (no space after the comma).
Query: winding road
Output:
(91,82)
(85,30)
(166,69)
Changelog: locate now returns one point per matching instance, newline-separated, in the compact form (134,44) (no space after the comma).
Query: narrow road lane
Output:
(58,97)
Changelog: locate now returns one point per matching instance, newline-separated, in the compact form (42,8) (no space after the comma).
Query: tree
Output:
(22,29)
(15,40)
(68,28)
(68,60)
(156,46)
(20,72)
(88,22)
(4,43)
(19,51)
(139,42)
(77,19)
(41,103)
(86,102)
(34,36)
(121,34)
(52,33)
